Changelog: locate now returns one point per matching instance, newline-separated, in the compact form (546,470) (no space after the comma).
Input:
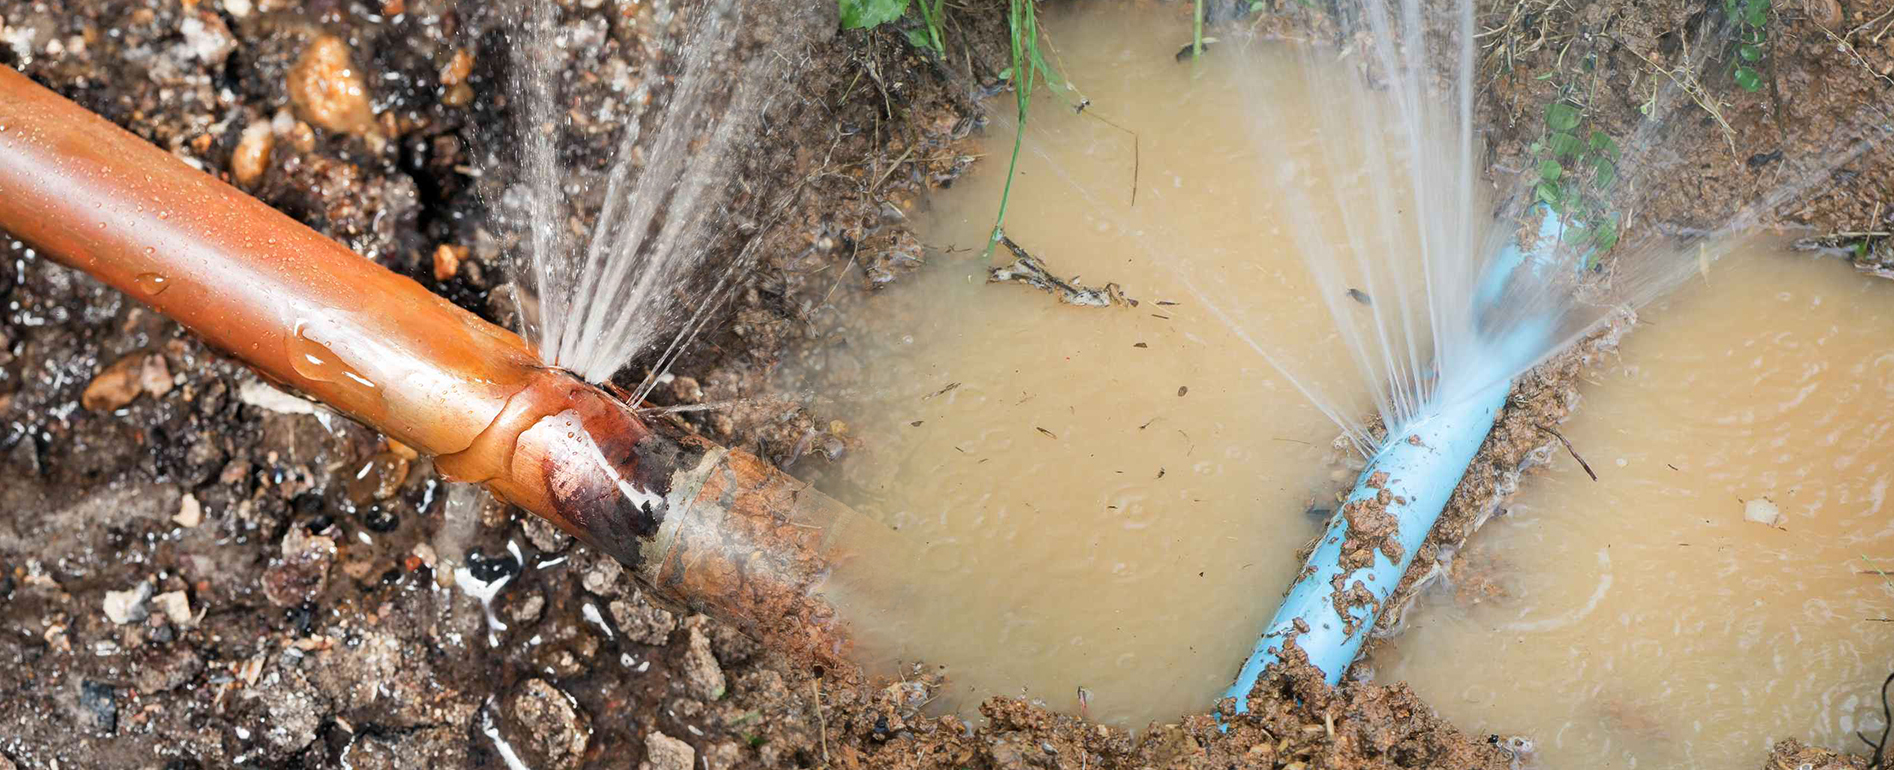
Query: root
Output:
(1029,270)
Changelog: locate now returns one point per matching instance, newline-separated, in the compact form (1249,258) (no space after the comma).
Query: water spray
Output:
(1371,540)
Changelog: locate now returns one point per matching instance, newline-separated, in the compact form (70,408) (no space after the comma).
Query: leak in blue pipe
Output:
(1411,479)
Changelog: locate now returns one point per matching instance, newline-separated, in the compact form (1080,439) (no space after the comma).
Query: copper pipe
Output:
(701,525)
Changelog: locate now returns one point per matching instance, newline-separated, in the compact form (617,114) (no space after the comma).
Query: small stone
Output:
(458,95)
(115,387)
(99,702)
(128,606)
(252,156)
(524,607)
(378,478)
(206,37)
(238,8)
(154,376)
(190,511)
(175,607)
(702,674)
(663,752)
(327,90)
(545,726)
(457,68)
(1763,511)
(447,261)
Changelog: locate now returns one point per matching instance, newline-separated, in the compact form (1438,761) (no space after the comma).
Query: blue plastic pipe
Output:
(1414,474)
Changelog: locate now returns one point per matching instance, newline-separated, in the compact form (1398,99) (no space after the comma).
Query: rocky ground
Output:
(198,572)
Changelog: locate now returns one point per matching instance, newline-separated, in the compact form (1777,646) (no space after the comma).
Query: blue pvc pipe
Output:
(1417,469)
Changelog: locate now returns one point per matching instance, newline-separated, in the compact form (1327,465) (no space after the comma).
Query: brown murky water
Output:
(1641,620)
(1107,498)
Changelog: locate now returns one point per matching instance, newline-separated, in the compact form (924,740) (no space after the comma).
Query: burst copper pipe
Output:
(702,526)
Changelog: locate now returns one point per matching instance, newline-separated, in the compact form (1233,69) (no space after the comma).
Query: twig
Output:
(1878,761)
(1568,447)
(822,727)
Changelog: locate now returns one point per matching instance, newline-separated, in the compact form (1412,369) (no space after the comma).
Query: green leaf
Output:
(1561,116)
(1550,170)
(1006,74)
(1604,144)
(1757,14)
(862,14)
(1750,52)
(1565,145)
(1607,237)
(1549,193)
(1606,174)
(1748,80)
(1257,6)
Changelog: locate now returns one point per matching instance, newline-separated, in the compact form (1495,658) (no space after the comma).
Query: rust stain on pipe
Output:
(701,525)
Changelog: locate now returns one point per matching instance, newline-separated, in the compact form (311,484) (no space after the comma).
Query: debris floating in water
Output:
(1763,511)
(1029,270)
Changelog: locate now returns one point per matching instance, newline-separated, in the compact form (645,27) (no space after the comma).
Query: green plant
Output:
(1196,31)
(1751,19)
(1029,67)
(866,14)
(1576,170)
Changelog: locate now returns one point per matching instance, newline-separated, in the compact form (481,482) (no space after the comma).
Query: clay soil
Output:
(192,577)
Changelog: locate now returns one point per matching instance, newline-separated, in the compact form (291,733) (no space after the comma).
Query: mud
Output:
(259,645)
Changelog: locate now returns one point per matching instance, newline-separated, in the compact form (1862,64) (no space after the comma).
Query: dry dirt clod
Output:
(641,621)
(1825,13)
(328,90)
(252,156)
(663,752)
(302,572)
(545,726)
(702,673)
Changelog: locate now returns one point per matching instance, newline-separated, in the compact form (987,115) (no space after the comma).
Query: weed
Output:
(1576,170)
(1751,18)
(1029,68)
(867,14)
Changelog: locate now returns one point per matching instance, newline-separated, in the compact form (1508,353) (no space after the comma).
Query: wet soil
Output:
(192,576)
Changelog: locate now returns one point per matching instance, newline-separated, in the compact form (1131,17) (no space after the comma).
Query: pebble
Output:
(328,90)
(663,752)
(207,38)
(447,261)
(252,156)
(99,702)
(128,606)
(176,607)
(115,387)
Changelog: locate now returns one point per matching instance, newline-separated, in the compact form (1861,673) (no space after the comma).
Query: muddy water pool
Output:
(1642,620)
(1108,500)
